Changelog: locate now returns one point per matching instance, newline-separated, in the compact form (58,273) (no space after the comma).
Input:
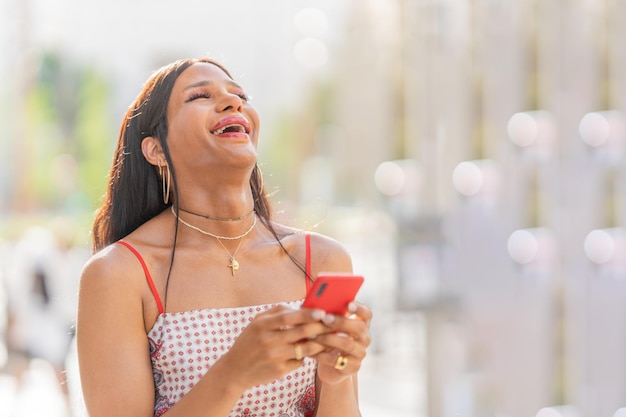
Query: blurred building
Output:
(504,123)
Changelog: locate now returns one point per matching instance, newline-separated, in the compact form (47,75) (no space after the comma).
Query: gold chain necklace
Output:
(232,264)
(218,237)
(220,219)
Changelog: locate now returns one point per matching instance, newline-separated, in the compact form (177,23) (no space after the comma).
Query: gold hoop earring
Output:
(164,186)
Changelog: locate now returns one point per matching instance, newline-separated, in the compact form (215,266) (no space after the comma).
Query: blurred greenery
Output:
(93,133)
(64,137)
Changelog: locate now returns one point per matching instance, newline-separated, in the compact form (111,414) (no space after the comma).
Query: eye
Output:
(243,96)
(198,94)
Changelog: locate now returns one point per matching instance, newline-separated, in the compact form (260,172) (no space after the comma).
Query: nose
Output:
(229,101)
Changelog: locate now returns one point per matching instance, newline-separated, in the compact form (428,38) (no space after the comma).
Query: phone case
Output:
(333,292)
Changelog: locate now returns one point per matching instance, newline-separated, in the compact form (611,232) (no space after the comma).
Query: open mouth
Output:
(232,125)
(232,128)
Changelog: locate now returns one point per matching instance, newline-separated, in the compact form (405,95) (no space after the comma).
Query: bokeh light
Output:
(599,246)
(523,129)
(535,132)
(467,178)
(389,178)
(523,246)
(594,129)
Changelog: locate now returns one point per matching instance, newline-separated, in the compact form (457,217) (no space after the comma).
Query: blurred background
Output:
(469,153)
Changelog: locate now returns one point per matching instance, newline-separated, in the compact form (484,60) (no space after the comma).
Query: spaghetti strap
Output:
(155,293)
(308,261)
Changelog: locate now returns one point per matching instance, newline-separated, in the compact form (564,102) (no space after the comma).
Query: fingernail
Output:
(329,319)
(352,307)
(318,314)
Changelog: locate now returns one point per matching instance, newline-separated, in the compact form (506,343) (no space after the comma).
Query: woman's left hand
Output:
(346,344)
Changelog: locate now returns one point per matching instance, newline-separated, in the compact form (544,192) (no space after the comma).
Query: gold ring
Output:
(298,348)
(341,362)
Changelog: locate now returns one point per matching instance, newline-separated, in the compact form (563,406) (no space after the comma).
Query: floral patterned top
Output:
(184,346)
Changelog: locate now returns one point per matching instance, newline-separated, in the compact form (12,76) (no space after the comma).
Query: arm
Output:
(337,389)
(338,399)
(113,351)
(349,337)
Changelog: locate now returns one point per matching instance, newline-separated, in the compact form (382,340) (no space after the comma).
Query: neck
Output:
(225,203)
(230,233)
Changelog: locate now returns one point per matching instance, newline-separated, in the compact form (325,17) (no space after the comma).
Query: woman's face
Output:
(210,121)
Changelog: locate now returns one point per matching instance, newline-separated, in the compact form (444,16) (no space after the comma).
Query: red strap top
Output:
(155,293)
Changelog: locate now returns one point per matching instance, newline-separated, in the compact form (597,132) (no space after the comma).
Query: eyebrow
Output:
(205,83)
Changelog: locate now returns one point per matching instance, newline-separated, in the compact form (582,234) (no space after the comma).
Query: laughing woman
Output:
(190,305)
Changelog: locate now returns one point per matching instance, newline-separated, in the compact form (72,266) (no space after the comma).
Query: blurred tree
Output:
(42,136)
(63,132)
(94,137)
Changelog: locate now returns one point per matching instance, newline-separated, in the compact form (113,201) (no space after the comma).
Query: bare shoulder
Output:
(107,264)
(110,274)
(327,254)
(117,265)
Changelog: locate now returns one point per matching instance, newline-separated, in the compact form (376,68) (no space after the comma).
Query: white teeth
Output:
(221,130)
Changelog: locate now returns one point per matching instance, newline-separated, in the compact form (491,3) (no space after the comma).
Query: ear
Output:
(152,151)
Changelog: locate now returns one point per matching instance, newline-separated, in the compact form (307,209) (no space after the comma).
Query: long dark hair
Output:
(134,193)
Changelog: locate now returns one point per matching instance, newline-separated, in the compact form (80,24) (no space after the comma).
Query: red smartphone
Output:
(333,292)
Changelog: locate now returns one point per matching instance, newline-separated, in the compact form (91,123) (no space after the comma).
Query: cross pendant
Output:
(233,265)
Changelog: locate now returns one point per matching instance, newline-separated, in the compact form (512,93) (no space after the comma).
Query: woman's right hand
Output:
(268,348)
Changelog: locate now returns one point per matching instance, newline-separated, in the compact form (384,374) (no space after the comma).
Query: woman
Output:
(190,305)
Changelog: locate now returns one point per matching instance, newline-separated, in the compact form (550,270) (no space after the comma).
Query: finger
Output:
(360,311)
(303,332)
(330,359)
(341,363)
(343,343)
(282,318)
(354,327)
(299,351)
(305,349)
(291,325)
